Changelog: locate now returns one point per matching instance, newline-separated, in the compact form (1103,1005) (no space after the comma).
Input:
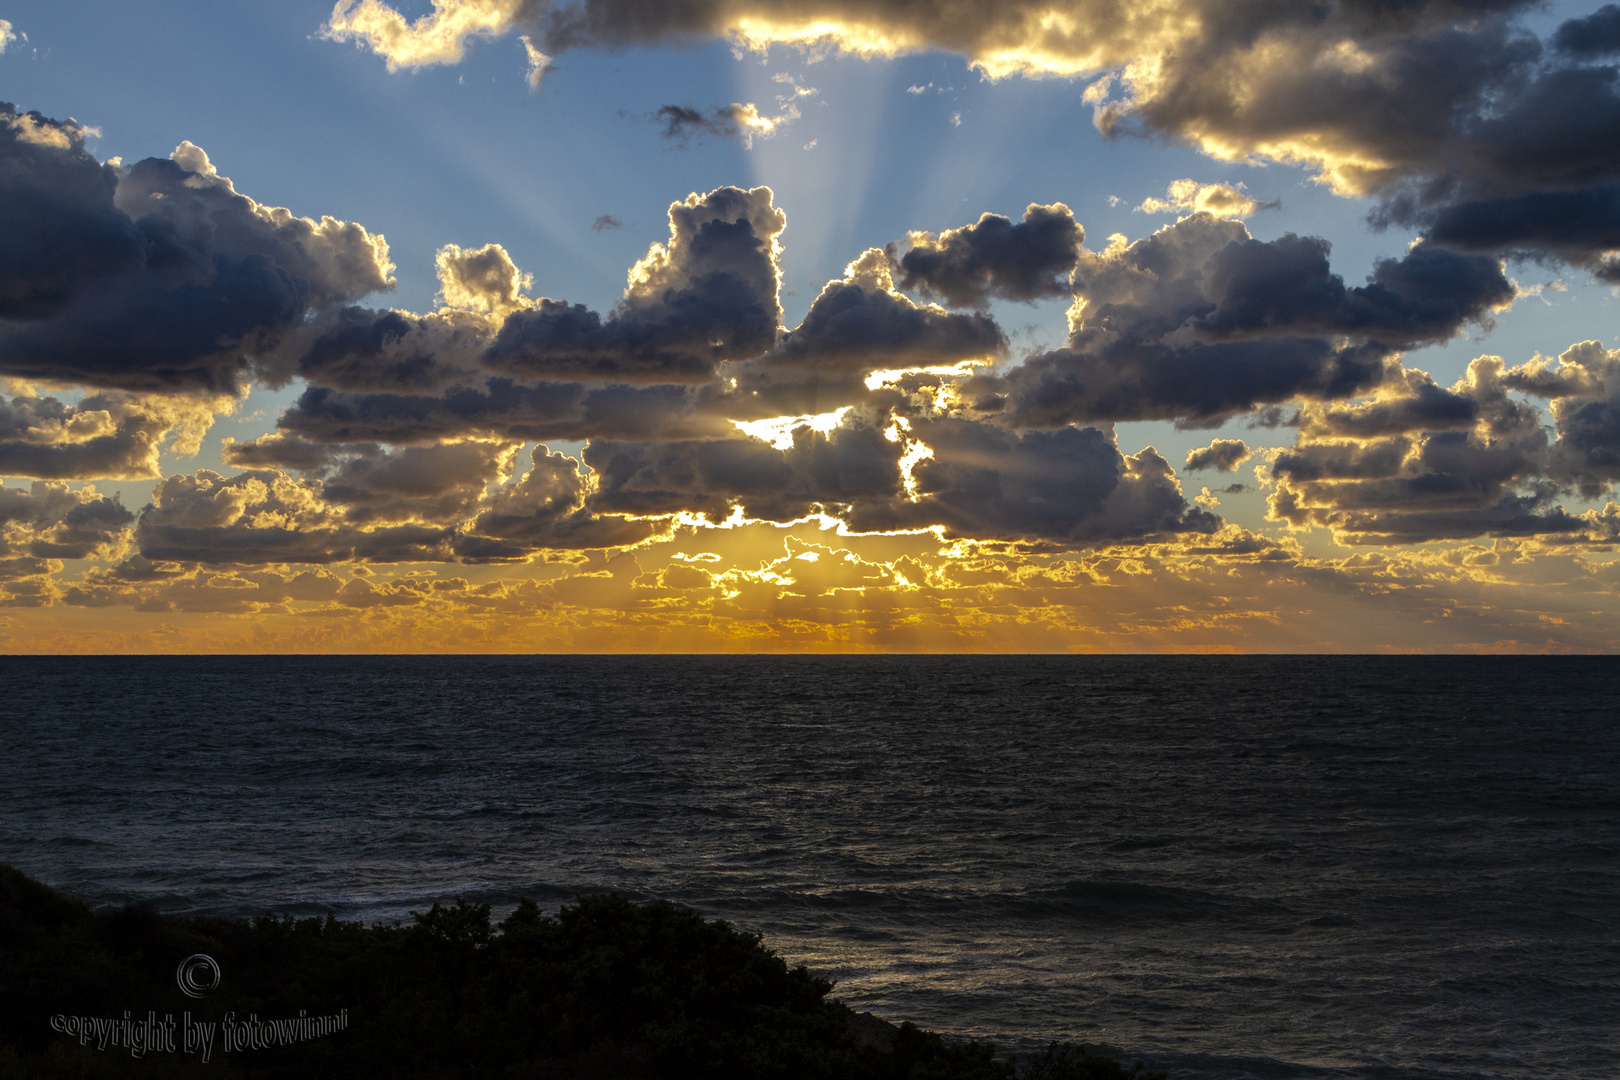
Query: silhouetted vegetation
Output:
(608,989)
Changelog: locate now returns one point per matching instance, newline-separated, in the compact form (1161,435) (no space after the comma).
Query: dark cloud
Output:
(1285,286)
(60,233)
(441,484)
(1429,104)
(415,504)
(1199,322)
(1579,227)
(1411,402)
(1584,388)
(266,516)
(282,450)
(1070,487)
(109,435)
(852,462)
(743,121)
(681,121)
(1423,464)
(159,277)
(544,509)
(606,222)
(708,296)
(1535,175)
(995,257)
(1596,35)
(362,349)
(503,409)
(51,521)
(860,323)
(1222,455)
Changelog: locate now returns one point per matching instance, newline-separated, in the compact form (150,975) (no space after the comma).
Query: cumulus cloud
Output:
(861,323)
(481,279)
(1353,88)
(363,503)
(156,278)
(1598,34)
(852,462)
(361,349)
(437,38)
(266,516)
(1199,322)
(1455,116)
(1070,486)
(994,257)
(1584,388)
(504,366)
(544,509)
(7,34)
(858,325)
(502,409)
(110,435)
(50,521)
(1222,455)
(1191,197)
(707,296)
(403,443)
(1419,463)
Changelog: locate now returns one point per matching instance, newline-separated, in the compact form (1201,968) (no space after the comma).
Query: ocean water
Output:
(1230,867)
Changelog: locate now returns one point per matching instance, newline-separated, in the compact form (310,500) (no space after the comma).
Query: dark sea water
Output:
(1258,867)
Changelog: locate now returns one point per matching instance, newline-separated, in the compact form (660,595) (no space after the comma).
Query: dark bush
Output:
(606,989)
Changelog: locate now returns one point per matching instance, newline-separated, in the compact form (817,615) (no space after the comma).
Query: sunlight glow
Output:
(899,431)
(778,430)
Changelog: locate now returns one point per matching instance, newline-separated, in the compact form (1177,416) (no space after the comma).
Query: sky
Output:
(809,325)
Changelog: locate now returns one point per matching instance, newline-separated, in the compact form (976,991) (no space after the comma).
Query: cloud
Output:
(1454,116)
(1356,90)
(1584,388)
(858,325)
(709,296)
(7,34)
(994,257)
(852,462)
(861,323)
(1199,322)
(1191,197)
(509,364)
(740,121)
(110,435)
(362,503)
(49,520)
(1070,486)
(362,349)
(437,38)
(1598,34)
(1222,455)
(159,277)
(544,509)
(266,516)
(539,62)
(481,279)
(1578,227)
(441,484)
(604,222)
(1418,463)
(503,409)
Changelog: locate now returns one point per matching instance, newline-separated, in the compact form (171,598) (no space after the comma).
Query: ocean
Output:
(1263,867)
